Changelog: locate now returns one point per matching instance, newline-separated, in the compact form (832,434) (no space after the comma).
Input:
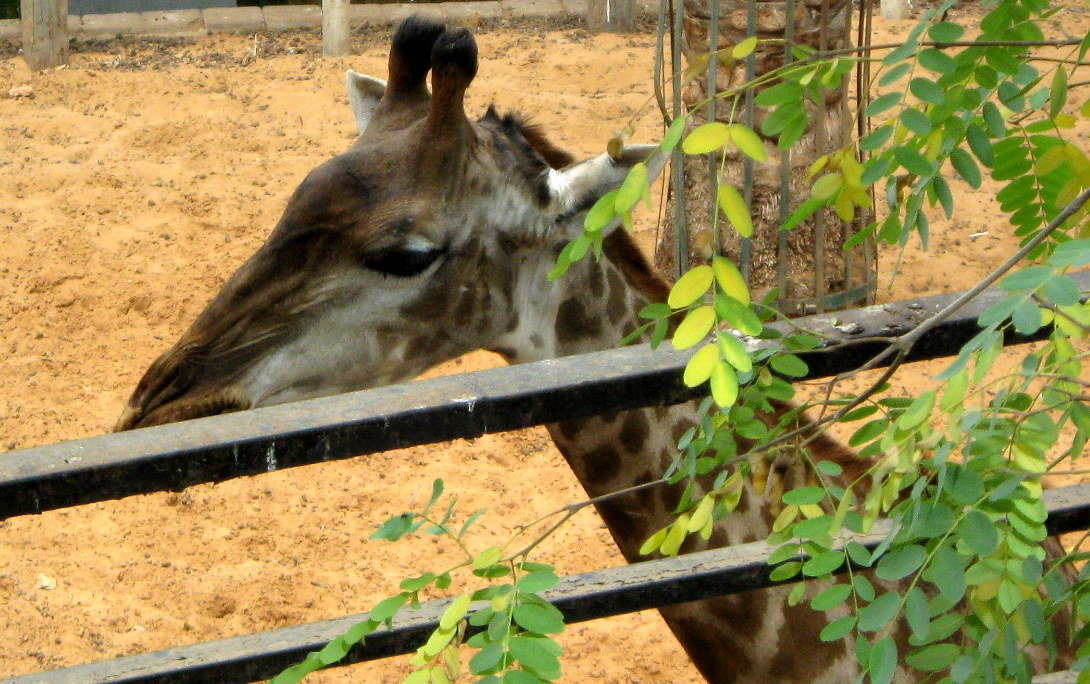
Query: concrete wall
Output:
(82,7)
(196,22)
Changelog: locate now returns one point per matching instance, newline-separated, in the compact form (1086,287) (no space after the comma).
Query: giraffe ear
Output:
(574,189)
(364,94)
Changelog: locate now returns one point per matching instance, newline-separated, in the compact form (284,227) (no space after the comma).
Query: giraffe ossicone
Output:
(432,237)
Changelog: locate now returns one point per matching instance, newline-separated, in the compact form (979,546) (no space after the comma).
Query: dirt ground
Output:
(131,185)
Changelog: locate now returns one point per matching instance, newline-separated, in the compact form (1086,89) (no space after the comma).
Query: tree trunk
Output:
(813,265)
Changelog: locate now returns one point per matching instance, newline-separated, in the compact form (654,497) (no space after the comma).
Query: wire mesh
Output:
(807,269)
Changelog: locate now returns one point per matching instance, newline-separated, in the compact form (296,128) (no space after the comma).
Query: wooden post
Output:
(611,16)
(335,41)
(45,33)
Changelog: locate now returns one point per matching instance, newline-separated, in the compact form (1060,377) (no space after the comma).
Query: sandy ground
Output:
(131,185)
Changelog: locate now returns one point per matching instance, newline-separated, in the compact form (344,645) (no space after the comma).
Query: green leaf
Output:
(913,161)
(927,90)
(859,554)
(993,119)
(980,144)
(673,134)
(530,653)
(937,60)
(1057,94)
(1061,290)
(804,496)
(779,94)
(895,74)
(536,582)
(519,677)
(934,657)
(917,613)
(690,287)
(838,629)
(731,349)
(916,121)
(868,432)
(789,365)
(634,186)
(901,562)
(694,327)
(599,216)
(735,209)
(738,315)
(748,142)
(882,662)
(1027,318)
(876,138)
(965,166)
(884,103)
(387,608)
(486,659)
(823,563)
(418,583)
(1026,279)
(918,411)
(831,597)
(539,619)
(879,612)
(830,468)
(979,532)
(394,528)
(708,137)
(946,32)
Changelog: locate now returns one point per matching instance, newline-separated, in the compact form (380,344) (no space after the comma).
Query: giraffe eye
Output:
(402,262)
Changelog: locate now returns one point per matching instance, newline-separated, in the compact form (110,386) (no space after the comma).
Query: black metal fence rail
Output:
(172,457)
(589,596)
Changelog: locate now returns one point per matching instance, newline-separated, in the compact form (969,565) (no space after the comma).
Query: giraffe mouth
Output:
(182,409)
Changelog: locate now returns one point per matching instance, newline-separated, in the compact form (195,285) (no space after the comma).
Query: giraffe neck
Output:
(750,637)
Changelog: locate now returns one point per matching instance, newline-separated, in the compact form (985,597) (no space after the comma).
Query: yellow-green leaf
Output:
(455,612)
(730,279)
(724,384)
(654,542)
(696,67)
(702,514)
(675,536)
(710,136)
(437,642)
(1028,459)
(633,188)
(827,186)
(690,287)
(731,349)
(700,366)
(749,142)
(732,204)
(745,48)
(487,557)
(695,327)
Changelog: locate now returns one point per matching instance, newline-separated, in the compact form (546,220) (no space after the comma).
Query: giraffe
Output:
(432,237)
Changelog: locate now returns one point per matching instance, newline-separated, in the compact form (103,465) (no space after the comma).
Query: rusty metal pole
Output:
(45,33)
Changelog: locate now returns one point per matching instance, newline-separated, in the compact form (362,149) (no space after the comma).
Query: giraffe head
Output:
(408,250)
